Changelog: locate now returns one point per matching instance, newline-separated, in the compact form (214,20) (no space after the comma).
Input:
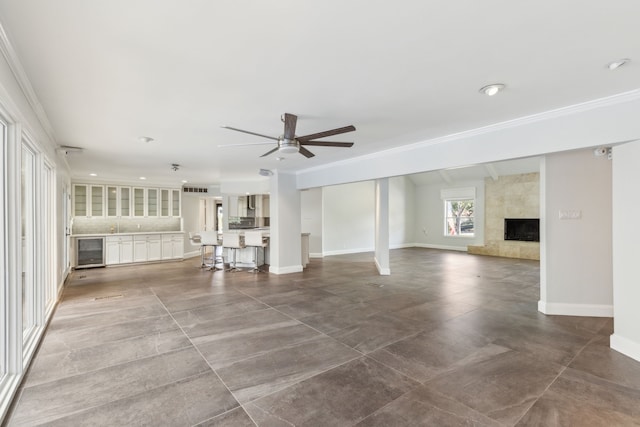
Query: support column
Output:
(285,244)
(382,227)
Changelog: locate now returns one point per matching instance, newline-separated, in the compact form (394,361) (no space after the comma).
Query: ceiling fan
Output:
(289,143)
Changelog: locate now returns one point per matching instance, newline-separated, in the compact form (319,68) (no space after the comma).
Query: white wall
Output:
(348,218)
(311,217)
(402,211)
(626,235)
(576,264)
(429,217)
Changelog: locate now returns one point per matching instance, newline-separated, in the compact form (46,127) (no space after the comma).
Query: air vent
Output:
(195,189)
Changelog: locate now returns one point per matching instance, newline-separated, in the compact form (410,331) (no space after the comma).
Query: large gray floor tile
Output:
(502,387)
(376,331)
(55,399)
(229,349)
(68,340)
(234,418)
(260,375)
(578,399)
(339,397)
(49,367)
(424,407)
(182,403)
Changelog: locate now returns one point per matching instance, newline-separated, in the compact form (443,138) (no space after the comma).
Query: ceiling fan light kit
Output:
(289,143)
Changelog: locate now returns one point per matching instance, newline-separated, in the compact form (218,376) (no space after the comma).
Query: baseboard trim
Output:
(382,271)
(316,255)
(192,254)
(347,251)
(443,247)
(285,270)
(563,309)
(625,346)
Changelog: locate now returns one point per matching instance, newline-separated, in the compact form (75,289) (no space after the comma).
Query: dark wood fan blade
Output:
(328,143)
(270,152)
(250,133)
(318,135)
(306,152)
(290,126)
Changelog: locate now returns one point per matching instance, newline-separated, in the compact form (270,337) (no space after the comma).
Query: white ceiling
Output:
(108,72)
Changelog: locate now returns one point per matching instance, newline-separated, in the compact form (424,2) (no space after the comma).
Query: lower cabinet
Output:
(147,247)
(119,249)
(172,246)
(143,248)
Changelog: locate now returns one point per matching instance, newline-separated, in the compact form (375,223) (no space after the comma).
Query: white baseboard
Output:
(347,251)
(625,346)
(285,270)
(382,271)
(316,255)
(563,309)
(443,247)
(192,254)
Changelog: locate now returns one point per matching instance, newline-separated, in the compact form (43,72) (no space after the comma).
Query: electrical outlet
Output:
(569,214)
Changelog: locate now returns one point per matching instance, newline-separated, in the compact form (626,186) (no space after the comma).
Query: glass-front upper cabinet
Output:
(88,200)
(125,201)
(112,201)
(80,195)
(164,202)
(97,200)
(152,202)
(118,201)
(138,202)
(175,203)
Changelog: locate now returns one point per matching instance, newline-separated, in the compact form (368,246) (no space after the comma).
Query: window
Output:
(459,217)
(459,208)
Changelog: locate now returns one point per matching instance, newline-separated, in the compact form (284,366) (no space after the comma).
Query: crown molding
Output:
(23,81)
(612,100)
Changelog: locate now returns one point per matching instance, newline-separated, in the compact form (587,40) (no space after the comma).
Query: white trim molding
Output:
(6,47)
(443,247)
(382,271)
(625,346)
(285,270)
(564,309)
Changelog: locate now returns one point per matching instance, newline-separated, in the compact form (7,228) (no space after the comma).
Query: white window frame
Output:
(452,195)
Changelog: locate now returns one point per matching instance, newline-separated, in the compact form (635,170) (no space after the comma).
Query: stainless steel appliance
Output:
(90,252)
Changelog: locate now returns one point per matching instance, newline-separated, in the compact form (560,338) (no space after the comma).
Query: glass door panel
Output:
(138,202)
(112,201)
(125,201)
(97,203)
(152,202)
(164,202)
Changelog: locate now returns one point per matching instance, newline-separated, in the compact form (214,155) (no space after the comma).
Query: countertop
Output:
(126,234)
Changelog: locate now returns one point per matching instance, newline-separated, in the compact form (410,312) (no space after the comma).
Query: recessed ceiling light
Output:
(93,174)
(492,89)
(617,64)
(143,177)
(184,181)
(279,159)
(145,139)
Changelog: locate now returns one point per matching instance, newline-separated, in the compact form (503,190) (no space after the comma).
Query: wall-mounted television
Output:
(523,229)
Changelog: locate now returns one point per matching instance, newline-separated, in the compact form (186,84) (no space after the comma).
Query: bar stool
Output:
(255,240)
(210,239)
(233,242)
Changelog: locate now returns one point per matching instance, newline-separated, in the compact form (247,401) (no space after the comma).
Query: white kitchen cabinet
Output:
(88,200)
(119,249)
(164,202)
(173,246)
(147,247)
(139,201)
(175,203)
(152,202)
(118,201)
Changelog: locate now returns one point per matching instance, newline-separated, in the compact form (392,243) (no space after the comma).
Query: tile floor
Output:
(448,339)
